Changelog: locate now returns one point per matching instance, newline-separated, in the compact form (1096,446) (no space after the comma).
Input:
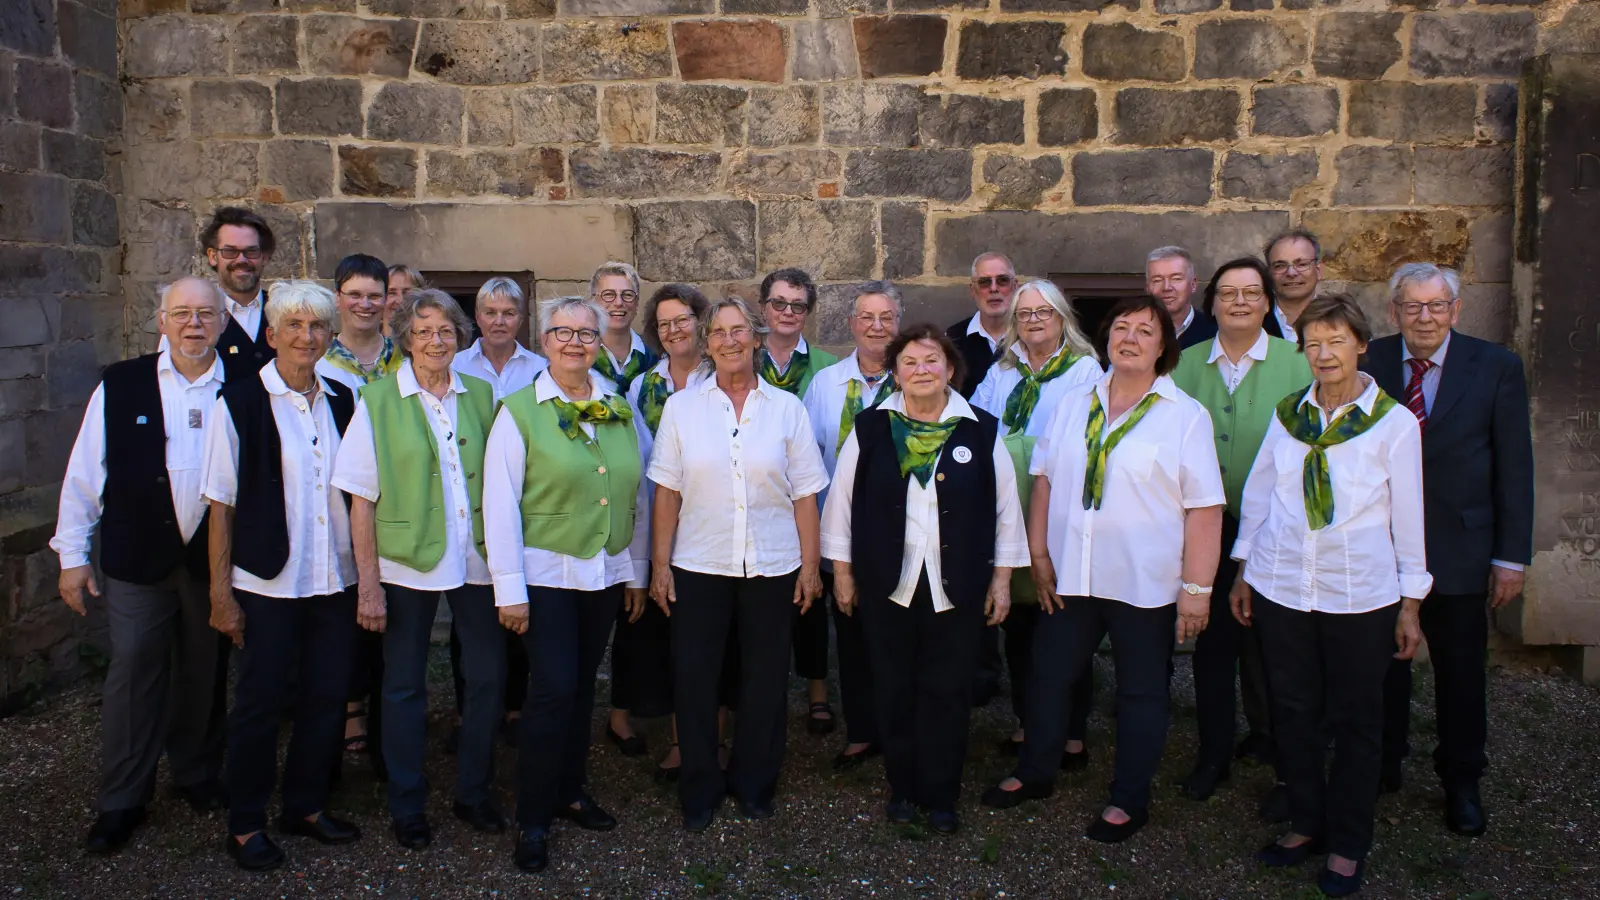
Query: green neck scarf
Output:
(654,389)
(638,362)
(789,379)
(917,444)
(1100,446)
(599,412)
(387,363)
(1305,426)
(1025,396)
(853,406)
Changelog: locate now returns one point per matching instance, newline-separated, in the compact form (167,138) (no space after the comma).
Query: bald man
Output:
(134,476)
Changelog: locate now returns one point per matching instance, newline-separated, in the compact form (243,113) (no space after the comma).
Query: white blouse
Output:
(996,387)
(739,477)
(1373,552)
(824,402)
(1131,548)
(523,366)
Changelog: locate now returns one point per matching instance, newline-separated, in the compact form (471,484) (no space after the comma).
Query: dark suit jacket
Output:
(974,351)
(1477,459)
(1202,329)
(241,356)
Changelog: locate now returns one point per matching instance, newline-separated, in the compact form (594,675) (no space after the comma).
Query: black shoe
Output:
(1275,807)
(587,815)
(632,745)
(112,830)
(324,829)
(533,850)
(257,854)
(1463,811)
(1392,779)
(700,821)
(205,797)
(983,693)
(1075,762)
(1277,856)
(756,809)
(1108,833)
(998,797)
(1203,781)
(667,774)
(944,821)
(1256,749)
(844,762)
(900,811)
(1333,884)
(452,741)
(482,816)
(816,724)
(1010,748)
(413,832)
(511,731)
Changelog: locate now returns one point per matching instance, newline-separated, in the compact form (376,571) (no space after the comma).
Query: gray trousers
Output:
(166,689)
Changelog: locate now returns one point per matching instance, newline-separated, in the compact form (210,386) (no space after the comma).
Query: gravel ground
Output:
(830,839)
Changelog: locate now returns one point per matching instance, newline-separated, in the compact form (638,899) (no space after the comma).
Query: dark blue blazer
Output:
(1477,459)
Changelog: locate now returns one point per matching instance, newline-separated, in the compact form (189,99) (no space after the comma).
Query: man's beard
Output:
(241,281)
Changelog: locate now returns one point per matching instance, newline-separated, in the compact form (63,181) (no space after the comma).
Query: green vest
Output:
(410,515)
(819,359)
(578,495)
(1239,420)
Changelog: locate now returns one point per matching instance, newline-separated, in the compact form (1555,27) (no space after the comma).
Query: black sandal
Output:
(356,743)
(668,774)
(816,724)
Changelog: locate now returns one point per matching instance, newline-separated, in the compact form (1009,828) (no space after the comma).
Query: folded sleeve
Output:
(1256,499)
(83,488)
(219,469)
(1199,475)
(808,474)
(1405,508)
(504,465)
(836,513)
(355,470)
(1011,535)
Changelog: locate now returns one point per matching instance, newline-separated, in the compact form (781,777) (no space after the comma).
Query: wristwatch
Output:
(1195,590)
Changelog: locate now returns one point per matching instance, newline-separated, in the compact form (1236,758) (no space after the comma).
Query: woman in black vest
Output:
(924,526)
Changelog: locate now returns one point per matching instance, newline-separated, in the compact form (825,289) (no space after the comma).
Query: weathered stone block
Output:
(1247,48)
(1018,182)
(605,51)
(824,50)
(627,113)
(765,7)
(1058,6)
(299,170)
(168,46)
(730,50)
(94,216)
(637,173)
(786,115)
(23,396)
(1421,113)
(1142,178)
(695,240)
(558,115)
(377,171)
(1489,253)
(967,120)
(88,38)
(1068,116)
(98,102)
(329,106)
(934,174)
(833,9)
(35,209)
(73,374)
(212,169)
(421,9)
(157,112)
(416,113)
(231,6)
(1011,50)
(1357,44)
(490,117)
(598,8)
(135,9)
(831,239)
(1472,44)
(72,155)
(38,269)
(1498,121)
(900,45)
(1368,246)
(1159,116)
(512,173)
(1295,110)
(1268,177)
(19,146)
(903,229)
(1465,176)
(232,107)
(1120,51)
(480,52)
(1373,176)
(266,44)
(1249,5)
(349,45)
(28,26)
(783,173)
(44,93)
(870,115)
(700,114)
(160,240)
(1577,32)
(1181,7)
(8,86)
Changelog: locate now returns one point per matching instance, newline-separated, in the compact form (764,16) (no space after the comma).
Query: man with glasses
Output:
(134,474)
(1471,399)
(623,354)
(238,246)
(1295,258)
(994,281)
(1169,277)
(498,357)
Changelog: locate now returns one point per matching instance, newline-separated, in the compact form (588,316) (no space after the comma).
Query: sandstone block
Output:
(1018,182)
(35,209)
(700,114)
(377,171)
(637,173)
(1120,51)
(830,239)
(88,38)
(1465,176)
(1182,7)
(1498,121)
(1159,116)
(695,240)
(1247,48)
(416,113)
(717,50)
(1295,110)
(1472,44)
(490,117)
(1267,177)
(191,170)
(1577,32)
(232,107)
(933,174)
(900,45)
(8,87)
(348,45)
(1142,178)
(605,51)
(135,9)
(628,111)
(786,115)
(420,9)
(1249,5)
(44,93)
(902,227)
(1373,176)
(231,6)
(1357,44)
(599,8)
(299,170)
(1068,116)
(94,216)
(28,26)
(512,173)
(1061,6)
(528,9)
(783,173)
(98,102)
(556,115)
(266,44)
(765,7)
(1011,50)
(72,155)
(967,120)
(480,52)
(329,106)
(157,112)
(1368,246)
(870,115)
(824,50)
(833,9)
(1489,253)
(38,270)
(1421,113)
(168,46)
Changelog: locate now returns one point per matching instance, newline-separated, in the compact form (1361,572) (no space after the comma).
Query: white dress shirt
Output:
(1187,321)
(637,345)
(1289,334)
(996,387)
(801,347)
(320,559)
(646,439)
(1233,373)
(355,472)
(248,315)
(922,547)
(975,326)
(824,402)
(1131,548)
(185,407)
(739,477)
(1373,552)
(523,366)
(515,566)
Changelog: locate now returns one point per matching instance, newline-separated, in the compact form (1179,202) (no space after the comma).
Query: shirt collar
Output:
(1257,351)
(1022,354)
(710,384)
(518,351)
(236,308)
(1187,320)
(1438,355)
(975,326)
(409,384)
(275,384)
(636,345)
(1366,400)
(1163,387)
(850,370)
(545,387)
(955,407)
(164,364)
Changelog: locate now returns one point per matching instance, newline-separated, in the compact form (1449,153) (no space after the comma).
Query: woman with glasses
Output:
(566,548)
(1042,357)
(623,355)
(417,526)
(736,536)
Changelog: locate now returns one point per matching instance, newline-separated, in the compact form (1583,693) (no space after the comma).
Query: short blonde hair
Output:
(294,296)
(613,267)
(501,286)
(415,301)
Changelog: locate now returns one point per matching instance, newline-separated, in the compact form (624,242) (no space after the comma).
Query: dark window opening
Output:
(1092,296)
(463,286)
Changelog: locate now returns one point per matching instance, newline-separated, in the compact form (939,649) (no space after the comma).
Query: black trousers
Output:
(1327,672)
(366,682)
(301,644)
(641,663)
(922,672)
(986,674)
(857,696)
(1141,649)
(1457,629)
(565,640)
(516,688)
(1018,629)
(811,641)
(708,608)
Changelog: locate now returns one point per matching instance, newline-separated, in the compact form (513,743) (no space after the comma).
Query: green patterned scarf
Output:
(788,380)
(611,409)
(1025,396)
(387,363)
(917,444)
(1100,446)
(654,390)
(1304,425)
(853,406)
(639,361)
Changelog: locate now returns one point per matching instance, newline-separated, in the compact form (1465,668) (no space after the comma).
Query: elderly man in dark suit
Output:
(994,282)
(1477,461)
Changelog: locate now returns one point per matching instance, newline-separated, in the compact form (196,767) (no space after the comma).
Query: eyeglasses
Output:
(565,335)
(1234,295)
(184,316)
(426,335)
(681,323)
(1042,314)
(868,320)
(794,306)
(627,297)
(357,297)
(737,333)
(988,281)
(1282,266)
(250,253)
(1434,307)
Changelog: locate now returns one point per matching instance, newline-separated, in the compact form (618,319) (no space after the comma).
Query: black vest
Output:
(242,358)
(261,518)
(966,497)
(139,538)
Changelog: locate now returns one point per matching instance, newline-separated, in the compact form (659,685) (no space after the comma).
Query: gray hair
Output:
(417,280)
(288,297)
(1071,335)
(165,290)
(613,268)
(415,301)
(573,303)
(1422,273)
(884,287)
(732,301)
(984,257)
(505,288)
(1172,252)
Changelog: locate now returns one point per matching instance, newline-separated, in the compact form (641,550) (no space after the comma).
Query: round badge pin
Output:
(961,455)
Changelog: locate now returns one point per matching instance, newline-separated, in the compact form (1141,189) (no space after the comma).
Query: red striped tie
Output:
(1414,399)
